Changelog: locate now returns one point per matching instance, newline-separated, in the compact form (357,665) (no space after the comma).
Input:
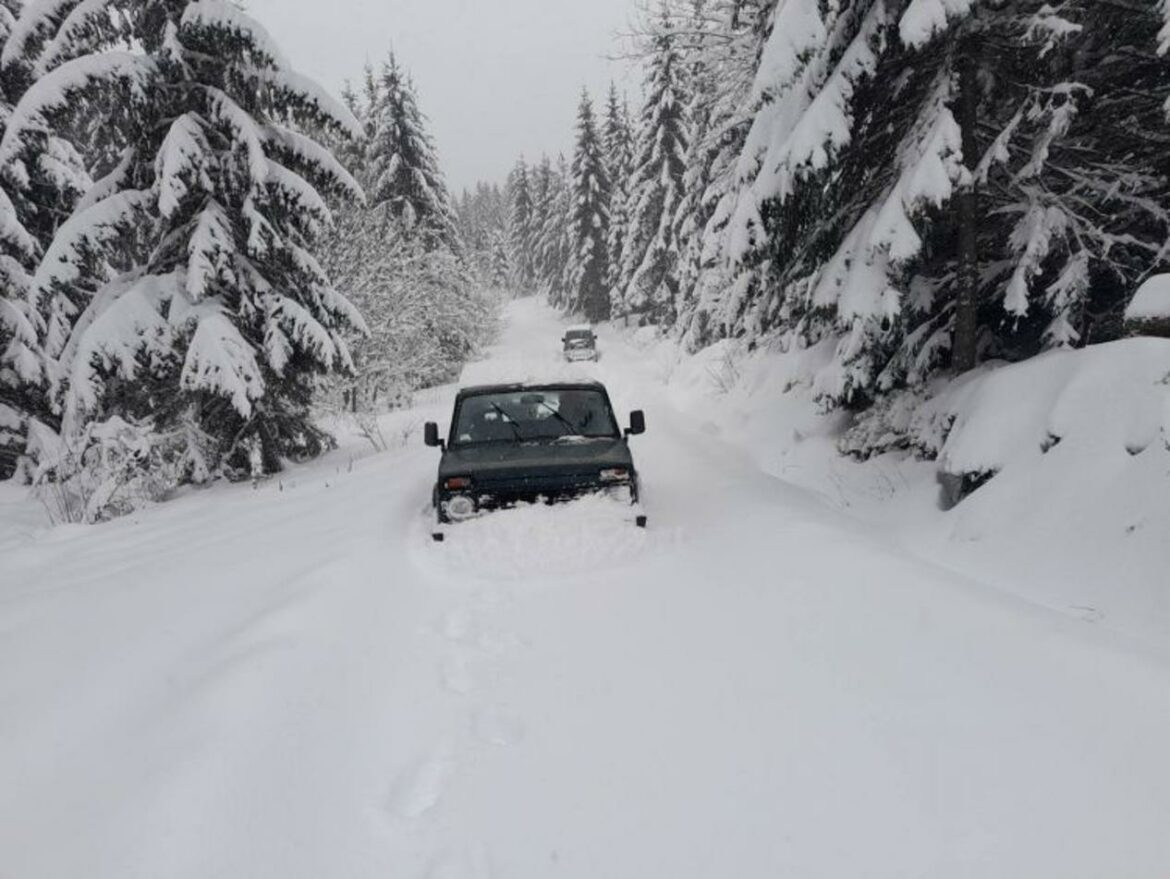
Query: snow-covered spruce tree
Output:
(498,268)
(210,316)
(1063,212)
(845,226)
(619,157)
(552,242)
(402,163)
(648,283)
(521,229)
(691,212)
(723,51)
(836,164)
(39,184)
(483,226)
(1084,178)
(589,184)
(19,363)
(427,308)
(543,195)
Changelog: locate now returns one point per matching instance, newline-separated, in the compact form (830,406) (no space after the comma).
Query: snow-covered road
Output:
(294,682)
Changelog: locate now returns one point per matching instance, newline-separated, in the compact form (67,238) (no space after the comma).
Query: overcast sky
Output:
(495,77)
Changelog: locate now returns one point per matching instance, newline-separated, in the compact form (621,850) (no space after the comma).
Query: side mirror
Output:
(637,423)
(431,435)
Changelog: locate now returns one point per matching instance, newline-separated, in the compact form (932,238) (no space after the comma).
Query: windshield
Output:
(578,338)
(546,414)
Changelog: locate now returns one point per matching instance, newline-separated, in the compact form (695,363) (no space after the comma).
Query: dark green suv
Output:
(512,444)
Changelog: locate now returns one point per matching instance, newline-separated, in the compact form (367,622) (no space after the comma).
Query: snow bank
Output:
(1152,300)
(544,544)
(1077,512)
(1101,404)
(1075,515)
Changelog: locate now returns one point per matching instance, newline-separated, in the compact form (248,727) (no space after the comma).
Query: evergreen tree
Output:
(423,303)
(994,203)
(552,239)
(521,229)
(587,267)
(648,283)
(403,166)
(40,181)
(19,363)
(723,53)
(209,316)
(484,223)
(619,157)
(544,204)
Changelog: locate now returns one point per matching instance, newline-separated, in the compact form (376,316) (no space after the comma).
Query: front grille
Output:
(529,488)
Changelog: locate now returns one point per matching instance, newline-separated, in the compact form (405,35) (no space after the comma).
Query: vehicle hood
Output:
(507,461)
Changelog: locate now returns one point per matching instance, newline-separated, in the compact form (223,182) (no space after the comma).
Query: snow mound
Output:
(545,544)
(1152,300)
(1077,513)
(1100,404)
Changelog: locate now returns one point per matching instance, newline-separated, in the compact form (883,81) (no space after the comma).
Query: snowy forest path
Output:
(296,682)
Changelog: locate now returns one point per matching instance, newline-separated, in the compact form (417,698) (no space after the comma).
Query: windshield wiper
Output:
(508,421)
(569,429)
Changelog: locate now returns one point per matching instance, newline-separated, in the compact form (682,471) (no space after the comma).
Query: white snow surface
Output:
(1151,301)
(294,681)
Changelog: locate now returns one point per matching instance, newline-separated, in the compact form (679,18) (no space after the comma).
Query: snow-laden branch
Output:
(76,35)
(90,228)
(312,155)
(225,19)
(124,321)
(220,360)
(1164,34)
(182,156)
(37,15)
(12,230)
(923,20)
(63,87)
(303,88)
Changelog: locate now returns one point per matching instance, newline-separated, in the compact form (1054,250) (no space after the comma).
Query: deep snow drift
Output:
(294,682)
(1077,515)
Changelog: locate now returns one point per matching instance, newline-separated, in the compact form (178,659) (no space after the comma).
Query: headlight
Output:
(460,507)
(615,474)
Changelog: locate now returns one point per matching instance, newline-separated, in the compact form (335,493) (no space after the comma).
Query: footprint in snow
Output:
(420,787)
(459,627)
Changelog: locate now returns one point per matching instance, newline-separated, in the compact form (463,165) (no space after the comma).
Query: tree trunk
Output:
(963,352)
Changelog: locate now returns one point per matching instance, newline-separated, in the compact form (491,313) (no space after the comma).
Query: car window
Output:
(534,415)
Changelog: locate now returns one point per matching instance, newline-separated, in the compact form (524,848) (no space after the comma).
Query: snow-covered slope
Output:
(1077,514)
(294,682)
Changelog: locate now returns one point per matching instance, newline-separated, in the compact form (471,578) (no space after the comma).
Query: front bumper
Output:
(452,506)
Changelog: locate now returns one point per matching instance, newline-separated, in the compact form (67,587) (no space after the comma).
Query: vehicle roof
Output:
(579,328)
(475,390)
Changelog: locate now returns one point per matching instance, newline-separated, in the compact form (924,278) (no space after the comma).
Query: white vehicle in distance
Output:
(580,344)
